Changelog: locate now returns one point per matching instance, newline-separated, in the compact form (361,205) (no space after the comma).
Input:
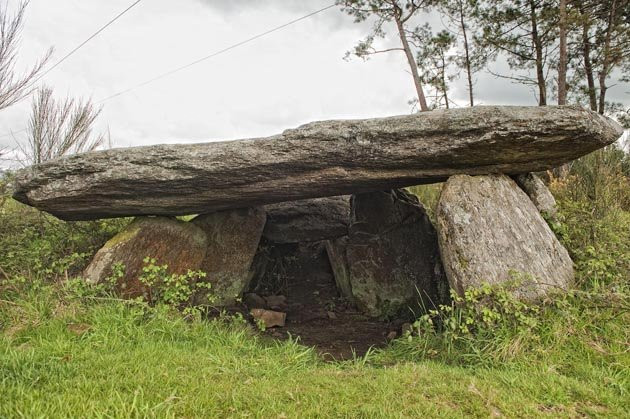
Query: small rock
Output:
(392,335)
(406,328)
(253,300)
(276,301)
(269,317)
(332,315)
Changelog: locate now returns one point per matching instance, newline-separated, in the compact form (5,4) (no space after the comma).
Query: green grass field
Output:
(62,356)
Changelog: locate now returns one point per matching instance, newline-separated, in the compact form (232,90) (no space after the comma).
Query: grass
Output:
(64,356)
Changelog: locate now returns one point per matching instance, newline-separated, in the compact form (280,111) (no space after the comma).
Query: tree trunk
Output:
(412,64)
(540,74)
(606,58)
(443,80)
(588,65)
(468,66)
(562,64)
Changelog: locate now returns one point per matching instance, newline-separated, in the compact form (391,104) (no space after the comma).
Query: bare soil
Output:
(316,313)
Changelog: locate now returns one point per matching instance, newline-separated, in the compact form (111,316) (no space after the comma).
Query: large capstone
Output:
(233,237)
(320,159)
(389,264)
(307,220)
(491,232)
(178,244)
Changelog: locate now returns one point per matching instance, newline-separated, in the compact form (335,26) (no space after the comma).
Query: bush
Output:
(34,244)
(173,290)
(594,207)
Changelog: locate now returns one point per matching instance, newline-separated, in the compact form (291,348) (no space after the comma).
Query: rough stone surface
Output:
(269,318)
(540,195)
(488,229)
(320,159)
(253,300)
(180,245)
(389,261)
(233,237)
(307,220)
(336,250)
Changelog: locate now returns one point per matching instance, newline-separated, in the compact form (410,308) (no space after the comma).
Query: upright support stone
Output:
(336,250)
(233,238)
(490,231)
(390,262)
(540,195)
(178,244)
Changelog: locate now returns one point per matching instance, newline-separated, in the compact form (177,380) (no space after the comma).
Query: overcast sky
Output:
(290,77)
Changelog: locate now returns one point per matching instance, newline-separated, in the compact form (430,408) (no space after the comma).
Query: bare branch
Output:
(60,129)
(15,88)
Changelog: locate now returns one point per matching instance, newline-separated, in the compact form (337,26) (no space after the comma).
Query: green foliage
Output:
(174,290)
(489,325)
(37,245)
(434,60)
(480,310)
(594,206)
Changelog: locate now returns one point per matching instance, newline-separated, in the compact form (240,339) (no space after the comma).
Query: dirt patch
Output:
(314,310)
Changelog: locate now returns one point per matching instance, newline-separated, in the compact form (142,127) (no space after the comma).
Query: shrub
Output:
(182,291)
(594,207)
(34,244)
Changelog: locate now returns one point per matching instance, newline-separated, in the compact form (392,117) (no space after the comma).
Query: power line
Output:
(78,47)
(94,35)
(207,57)
(9,134)
(214,54)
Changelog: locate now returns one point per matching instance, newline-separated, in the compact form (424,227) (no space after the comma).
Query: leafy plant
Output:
(175,290)
(480,310)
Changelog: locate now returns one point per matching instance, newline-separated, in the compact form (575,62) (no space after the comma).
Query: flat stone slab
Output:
(315,160)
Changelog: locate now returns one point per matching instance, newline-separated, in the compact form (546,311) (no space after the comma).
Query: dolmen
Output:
(339,184)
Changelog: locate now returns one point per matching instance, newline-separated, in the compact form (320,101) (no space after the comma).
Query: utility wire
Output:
(9,134)
(78,47)
(214,54)
(184,67)
(94,35)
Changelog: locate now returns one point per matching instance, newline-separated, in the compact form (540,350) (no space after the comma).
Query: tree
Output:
(15,88)
(604,38)
(524,31)
(433,59)
(59,129)
(463,15)
(397,11)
